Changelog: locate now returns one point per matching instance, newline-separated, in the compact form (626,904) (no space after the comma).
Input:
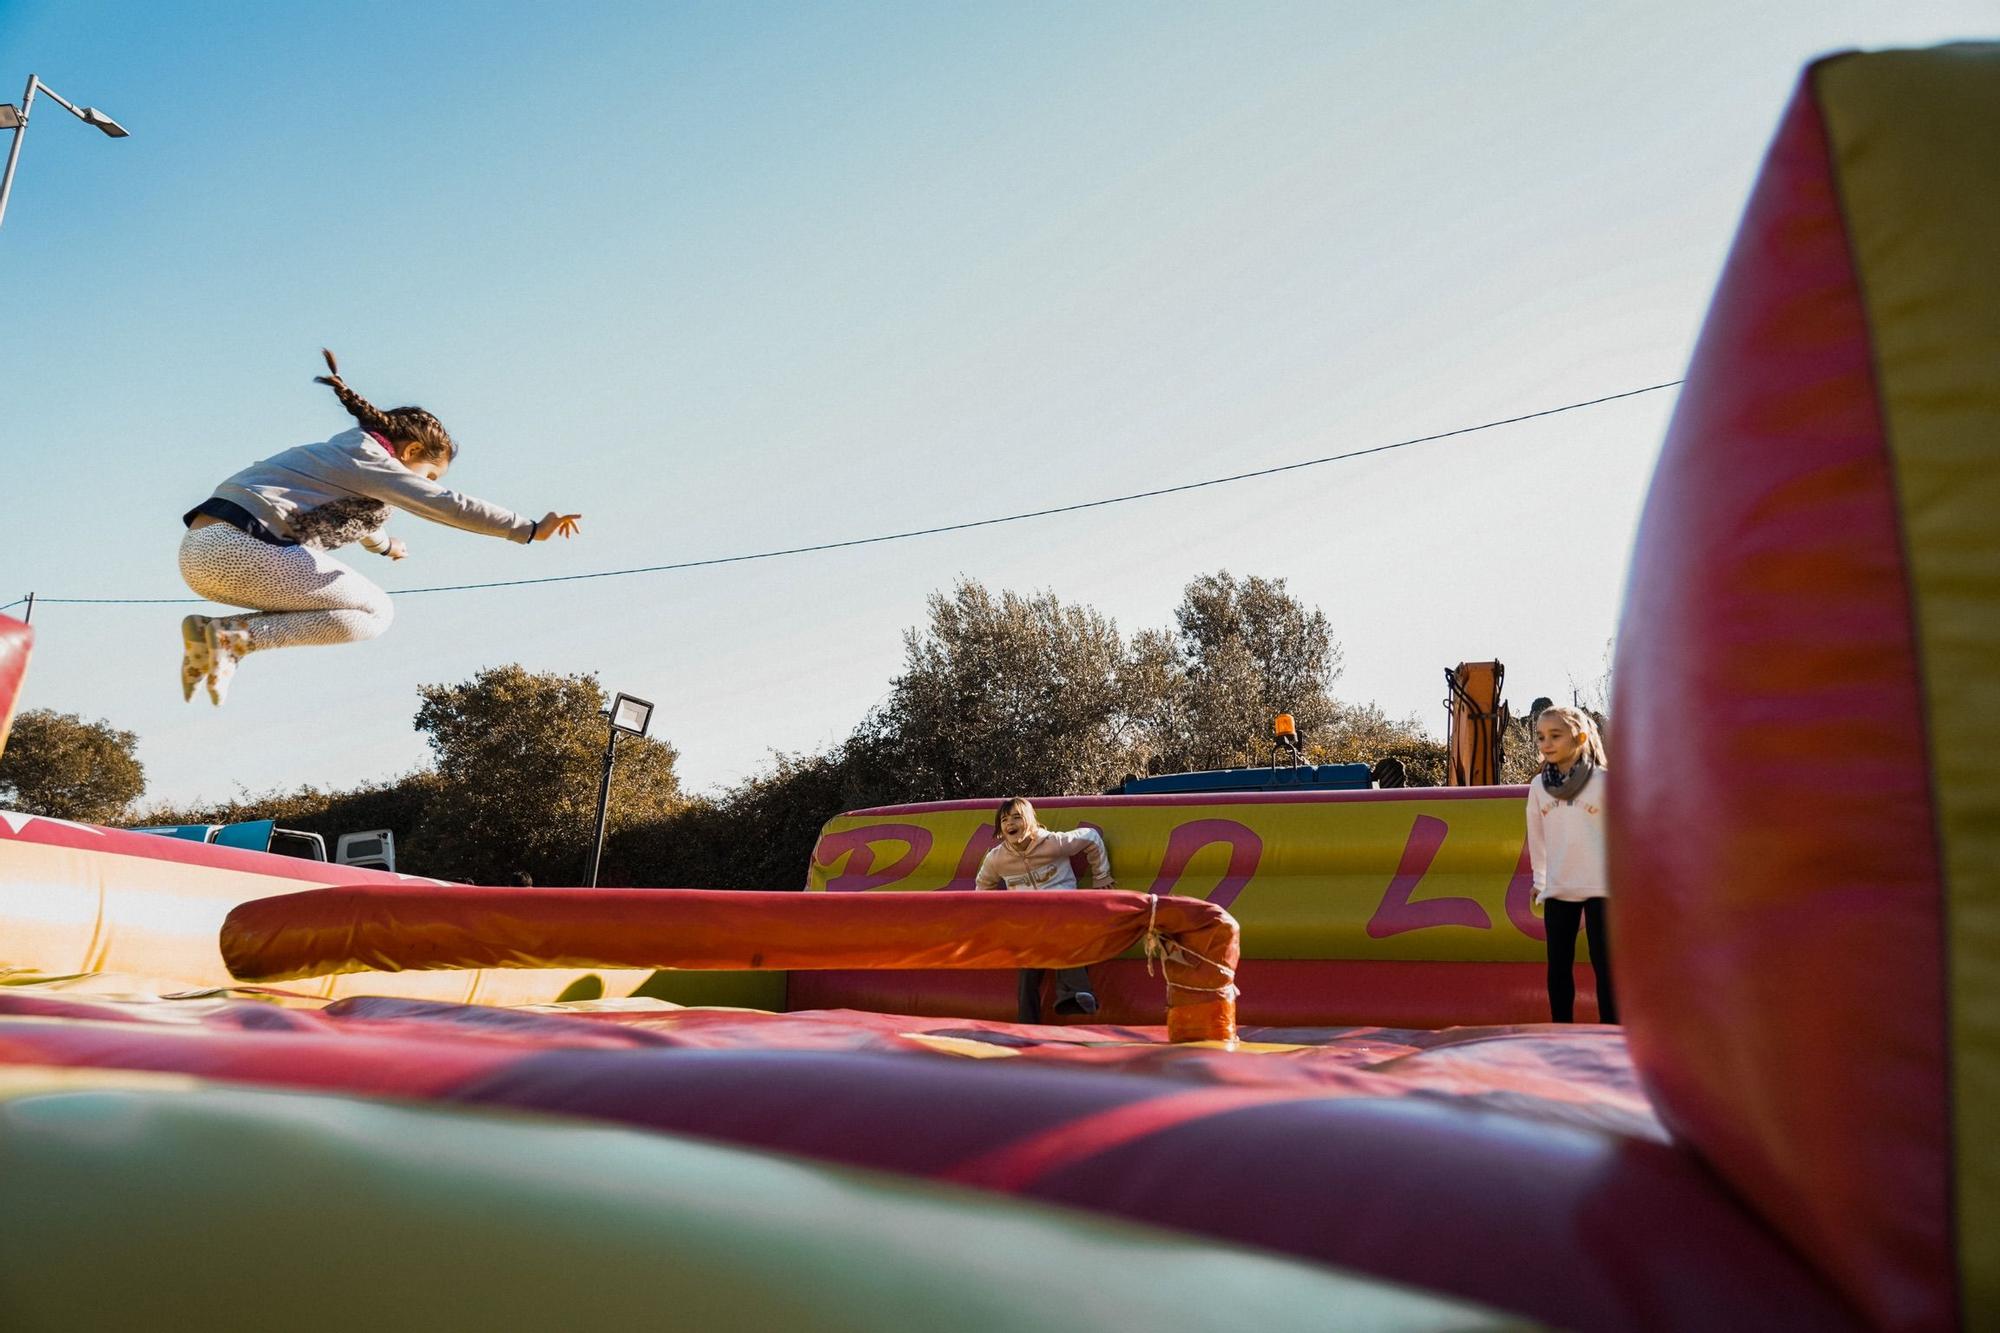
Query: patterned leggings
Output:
(304,595)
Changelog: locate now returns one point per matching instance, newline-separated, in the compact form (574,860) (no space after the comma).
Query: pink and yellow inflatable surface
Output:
(1794,1130)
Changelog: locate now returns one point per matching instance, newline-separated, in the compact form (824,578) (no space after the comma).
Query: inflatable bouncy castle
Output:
(229,1093)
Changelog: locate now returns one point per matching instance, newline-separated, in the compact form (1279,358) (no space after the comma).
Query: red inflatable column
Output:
(1802,863)
(17,638)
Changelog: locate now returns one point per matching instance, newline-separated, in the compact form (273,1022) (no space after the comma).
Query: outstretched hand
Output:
(396,549)
(553,523)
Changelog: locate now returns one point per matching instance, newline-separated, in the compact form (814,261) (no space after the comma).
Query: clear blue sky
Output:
(739,276)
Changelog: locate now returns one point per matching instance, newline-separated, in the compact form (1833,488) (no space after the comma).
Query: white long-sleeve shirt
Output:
(1566,841)
(1045,864)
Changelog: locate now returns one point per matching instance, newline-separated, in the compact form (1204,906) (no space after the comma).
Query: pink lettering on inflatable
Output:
(1245,850)
(856,845)
(1521,899)
(1396,913)
(982,841)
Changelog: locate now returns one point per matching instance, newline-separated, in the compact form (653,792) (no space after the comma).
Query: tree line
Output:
(997,694)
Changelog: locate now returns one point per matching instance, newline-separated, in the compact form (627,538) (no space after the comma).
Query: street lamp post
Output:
(15,118)
(628,717)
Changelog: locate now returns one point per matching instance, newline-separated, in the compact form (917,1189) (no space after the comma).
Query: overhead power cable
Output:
(942,528)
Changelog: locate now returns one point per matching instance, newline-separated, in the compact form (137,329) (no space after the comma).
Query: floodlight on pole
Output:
(631,716)
(112,129)
(627,716)
(15,118)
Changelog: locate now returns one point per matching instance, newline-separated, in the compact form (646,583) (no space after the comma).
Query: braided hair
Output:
(399,425)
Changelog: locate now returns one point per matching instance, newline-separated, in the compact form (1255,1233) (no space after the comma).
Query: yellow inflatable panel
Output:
(1433,875)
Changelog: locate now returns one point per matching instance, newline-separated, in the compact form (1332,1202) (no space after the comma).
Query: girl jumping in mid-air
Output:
(261,540)
(1566,849)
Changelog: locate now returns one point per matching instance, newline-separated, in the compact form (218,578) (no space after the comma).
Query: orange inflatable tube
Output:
(394,928)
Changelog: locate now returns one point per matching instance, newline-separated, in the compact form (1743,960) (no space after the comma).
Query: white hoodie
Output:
(1566,841)
(1045,865)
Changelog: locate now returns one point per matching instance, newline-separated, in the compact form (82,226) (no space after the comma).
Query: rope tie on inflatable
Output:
(1164,950)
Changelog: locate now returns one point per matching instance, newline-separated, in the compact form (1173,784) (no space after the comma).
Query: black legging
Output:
(1561,919)
(1028,993)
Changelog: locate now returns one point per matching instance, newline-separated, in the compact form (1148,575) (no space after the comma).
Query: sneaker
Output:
(228,643)
(196,658)
(1083,1002)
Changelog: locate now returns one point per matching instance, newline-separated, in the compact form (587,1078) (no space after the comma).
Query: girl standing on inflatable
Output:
(261,540)
(1566,848)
